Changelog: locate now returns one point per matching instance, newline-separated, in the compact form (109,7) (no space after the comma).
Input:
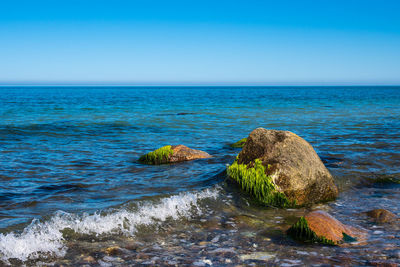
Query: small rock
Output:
(142,256)
(172,154)
(215,239)
(104,264)
(202,263)
(381,215)
(89,259)
(207,262)
(134,245)
(257,256)
(319,226)
(113,250)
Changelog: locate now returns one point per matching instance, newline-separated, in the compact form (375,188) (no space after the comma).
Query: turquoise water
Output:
(69,153)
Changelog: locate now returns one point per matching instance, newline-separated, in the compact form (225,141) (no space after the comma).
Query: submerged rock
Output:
(263,256)
(113,250)
(240,143)
(172,154)
(387,179)
(381,215)
(281,169)
(320,227)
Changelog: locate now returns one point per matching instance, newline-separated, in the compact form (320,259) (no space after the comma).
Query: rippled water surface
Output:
(71,186)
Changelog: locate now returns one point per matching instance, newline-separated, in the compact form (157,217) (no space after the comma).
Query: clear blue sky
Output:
(200,42)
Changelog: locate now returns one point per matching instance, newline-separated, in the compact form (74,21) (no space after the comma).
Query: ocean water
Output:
(71,186)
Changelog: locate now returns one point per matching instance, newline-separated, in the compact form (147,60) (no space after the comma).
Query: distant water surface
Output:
(68,158)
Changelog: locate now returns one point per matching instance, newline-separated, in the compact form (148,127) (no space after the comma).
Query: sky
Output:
(150,42)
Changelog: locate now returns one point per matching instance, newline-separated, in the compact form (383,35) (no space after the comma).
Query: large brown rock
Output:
(293,164)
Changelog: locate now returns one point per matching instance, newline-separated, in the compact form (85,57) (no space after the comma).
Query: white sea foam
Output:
(42,239)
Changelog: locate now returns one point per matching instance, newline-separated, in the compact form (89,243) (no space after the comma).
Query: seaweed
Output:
(158,156)
(348,239)
(387,180)
(255,182)
(301,231)
(240,143)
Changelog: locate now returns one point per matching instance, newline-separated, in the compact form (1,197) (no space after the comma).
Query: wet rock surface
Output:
(184,153)
(172,154)
(292,163)
(381,216)
(326,226)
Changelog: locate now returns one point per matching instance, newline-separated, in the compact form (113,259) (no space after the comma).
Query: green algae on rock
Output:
(172,154)
(320,227)
(240,143)
(254,181)
(158,156)
(301,231)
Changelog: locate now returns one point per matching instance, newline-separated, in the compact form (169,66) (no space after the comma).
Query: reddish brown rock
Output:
(381,215)
(319,226)
(327,226)
(172,154)
(183,153)
(292,163)
(384,264)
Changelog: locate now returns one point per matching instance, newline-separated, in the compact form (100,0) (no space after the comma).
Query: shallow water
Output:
(68,161)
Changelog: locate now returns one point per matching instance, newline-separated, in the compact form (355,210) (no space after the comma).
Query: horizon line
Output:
(194,84)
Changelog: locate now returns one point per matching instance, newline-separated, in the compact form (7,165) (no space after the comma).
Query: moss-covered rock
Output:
(291,166)
(254,181)
(302,232)
(240,143)
(158,156)
(320,227)
(172,154)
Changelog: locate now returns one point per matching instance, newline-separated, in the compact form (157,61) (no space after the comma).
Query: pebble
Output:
(215,239)
(89,259)
(203,243)
(104,264)
(113,250)
(202,263)
(257,256)
(378,232)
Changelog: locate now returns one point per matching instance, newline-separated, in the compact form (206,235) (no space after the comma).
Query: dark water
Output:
(68,160)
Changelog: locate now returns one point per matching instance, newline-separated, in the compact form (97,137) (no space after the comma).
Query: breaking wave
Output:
(45,239)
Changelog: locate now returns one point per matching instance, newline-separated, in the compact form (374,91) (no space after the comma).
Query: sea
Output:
(73,193)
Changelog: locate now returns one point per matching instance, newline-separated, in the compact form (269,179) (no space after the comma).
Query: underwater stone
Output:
(115,250)
(320,227)
(172,154)
(381,215)
(292,164)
